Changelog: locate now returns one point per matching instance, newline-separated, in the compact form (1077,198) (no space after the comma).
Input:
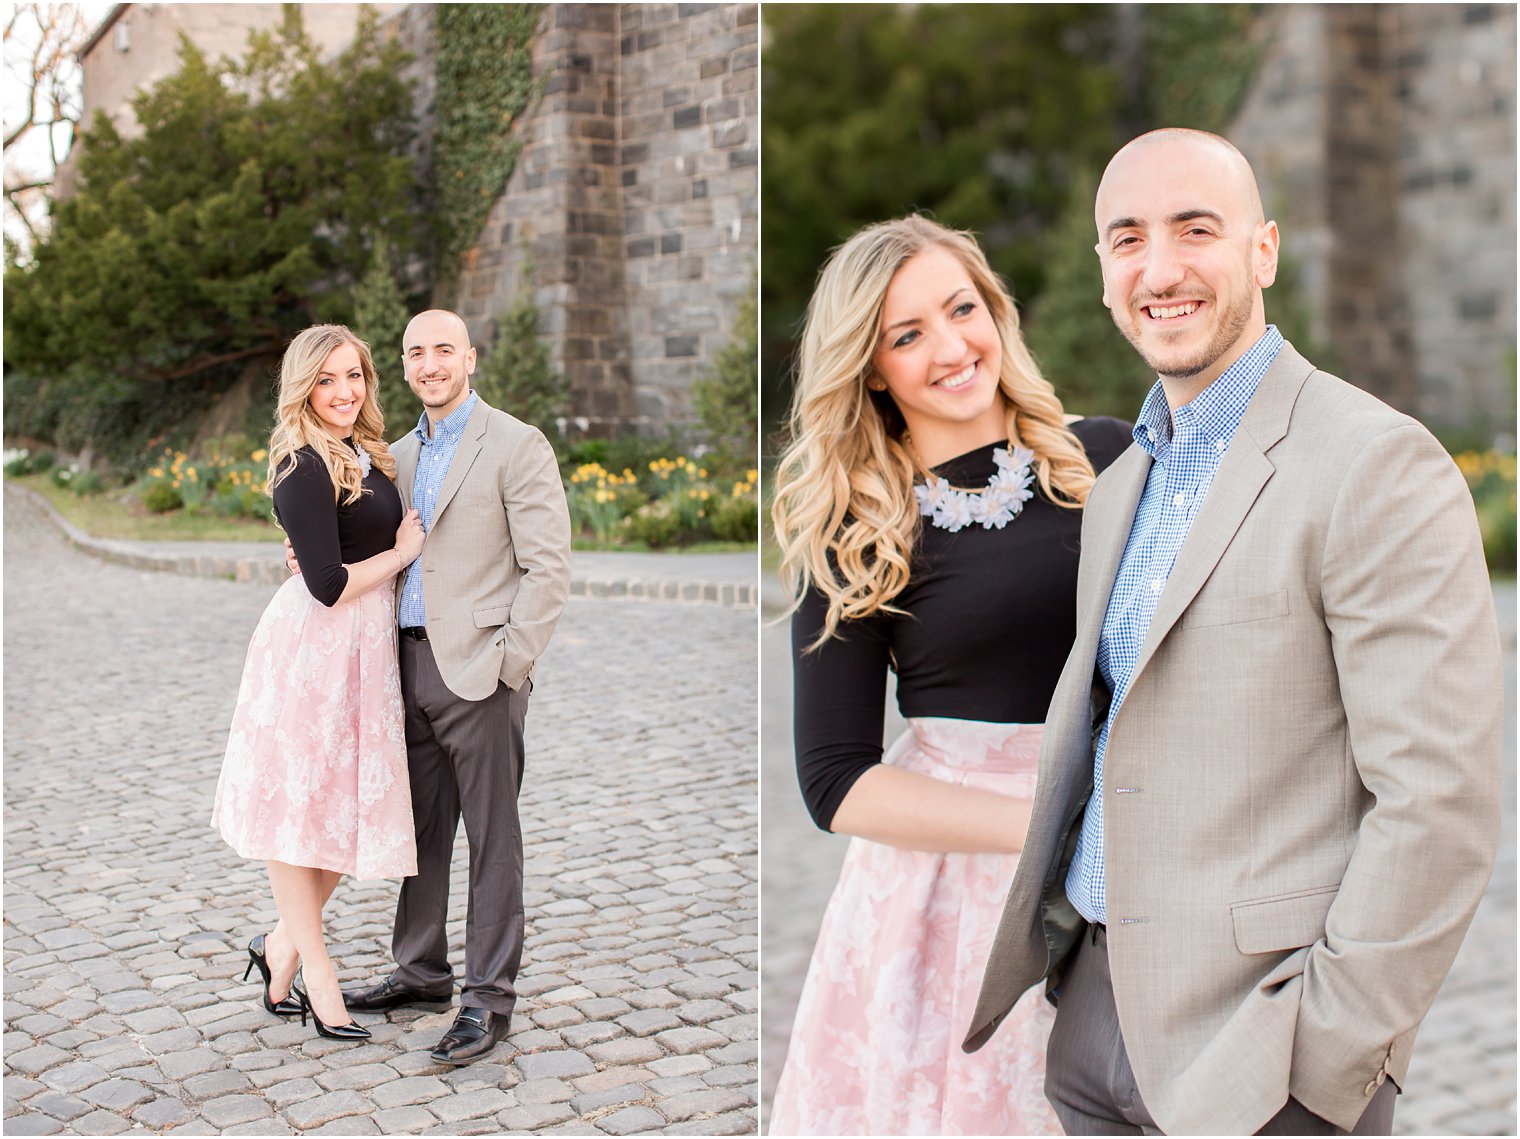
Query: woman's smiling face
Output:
(939,356)
(339,393)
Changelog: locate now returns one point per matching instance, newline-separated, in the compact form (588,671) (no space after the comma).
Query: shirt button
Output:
(1179,500)
(1157,584)
(1219,444)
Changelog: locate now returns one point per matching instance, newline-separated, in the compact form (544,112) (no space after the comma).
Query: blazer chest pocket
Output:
(492,617)
(1286,921)
(1236,610)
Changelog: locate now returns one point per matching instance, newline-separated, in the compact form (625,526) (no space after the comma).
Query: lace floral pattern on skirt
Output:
(315,771)
(876,1045)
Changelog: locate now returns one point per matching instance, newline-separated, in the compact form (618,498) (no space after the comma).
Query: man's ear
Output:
(1098,249)
(1265,254)
(469,361)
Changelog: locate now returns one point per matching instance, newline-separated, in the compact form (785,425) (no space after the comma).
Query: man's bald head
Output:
(435,320)
(1186,251)
(1216,157)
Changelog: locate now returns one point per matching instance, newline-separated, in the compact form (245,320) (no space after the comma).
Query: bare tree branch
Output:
(13,197)
(14,188)
(48,36)
(206,360)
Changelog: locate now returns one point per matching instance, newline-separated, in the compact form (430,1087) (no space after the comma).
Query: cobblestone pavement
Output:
(1462,1079)
(126,917)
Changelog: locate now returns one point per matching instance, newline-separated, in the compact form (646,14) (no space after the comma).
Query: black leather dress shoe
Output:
(389,994)
(476,1031)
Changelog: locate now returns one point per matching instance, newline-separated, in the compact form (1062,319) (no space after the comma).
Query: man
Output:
(1268,799)
(475,611)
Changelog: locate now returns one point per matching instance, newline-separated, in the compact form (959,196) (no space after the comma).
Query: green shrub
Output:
(1491,478)
(516,375)
(86,483)
(161,498)
(599,499)
(19,463)
(727,395)
(240,501)
(736,519)
(656,524)
(218,483)
(628,452)
(586,451)
(680,483)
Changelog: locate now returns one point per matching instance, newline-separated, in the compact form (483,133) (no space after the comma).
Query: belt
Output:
(416,632)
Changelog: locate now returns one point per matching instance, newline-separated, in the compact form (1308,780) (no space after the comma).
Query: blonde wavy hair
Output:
(297,425)
(844,512)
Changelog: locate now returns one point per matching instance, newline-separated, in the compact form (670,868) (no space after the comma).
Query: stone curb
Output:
(271,571)
(735,595)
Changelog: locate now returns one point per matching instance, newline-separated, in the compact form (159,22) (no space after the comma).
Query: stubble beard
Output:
(441,396)
(1232,323)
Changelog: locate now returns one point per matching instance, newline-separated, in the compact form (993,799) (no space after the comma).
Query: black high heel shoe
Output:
(349,1031)
(287,1005)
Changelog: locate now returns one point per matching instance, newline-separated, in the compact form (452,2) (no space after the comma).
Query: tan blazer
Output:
(1310,758)
(496,564)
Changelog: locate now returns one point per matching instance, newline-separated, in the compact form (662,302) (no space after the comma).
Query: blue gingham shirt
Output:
(433,460)
(1187,446)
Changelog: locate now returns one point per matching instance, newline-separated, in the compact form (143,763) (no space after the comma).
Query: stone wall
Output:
(632,216)
(557,231)
(1384,139)
(1455,85)
(689,155)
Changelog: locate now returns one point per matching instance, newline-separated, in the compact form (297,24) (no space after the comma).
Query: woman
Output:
(928,511)
(314,781)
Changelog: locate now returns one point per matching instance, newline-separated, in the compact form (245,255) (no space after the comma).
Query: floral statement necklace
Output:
(366,464)
(993,506)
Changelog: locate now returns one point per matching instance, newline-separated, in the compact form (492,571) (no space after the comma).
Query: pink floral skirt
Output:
(876,1045)
(315,771)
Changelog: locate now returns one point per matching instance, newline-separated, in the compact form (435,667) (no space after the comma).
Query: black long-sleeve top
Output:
(327,535)
(990,616)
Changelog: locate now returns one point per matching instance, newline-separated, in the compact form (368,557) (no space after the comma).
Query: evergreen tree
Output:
(1080,351)
(516,375)
(726,396)
(977,114)
(243,212)
(380,319)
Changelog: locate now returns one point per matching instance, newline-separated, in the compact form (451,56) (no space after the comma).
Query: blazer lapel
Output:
(1104,536)
(405,453)
(464,456)
(1242,474)
(1106,524)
